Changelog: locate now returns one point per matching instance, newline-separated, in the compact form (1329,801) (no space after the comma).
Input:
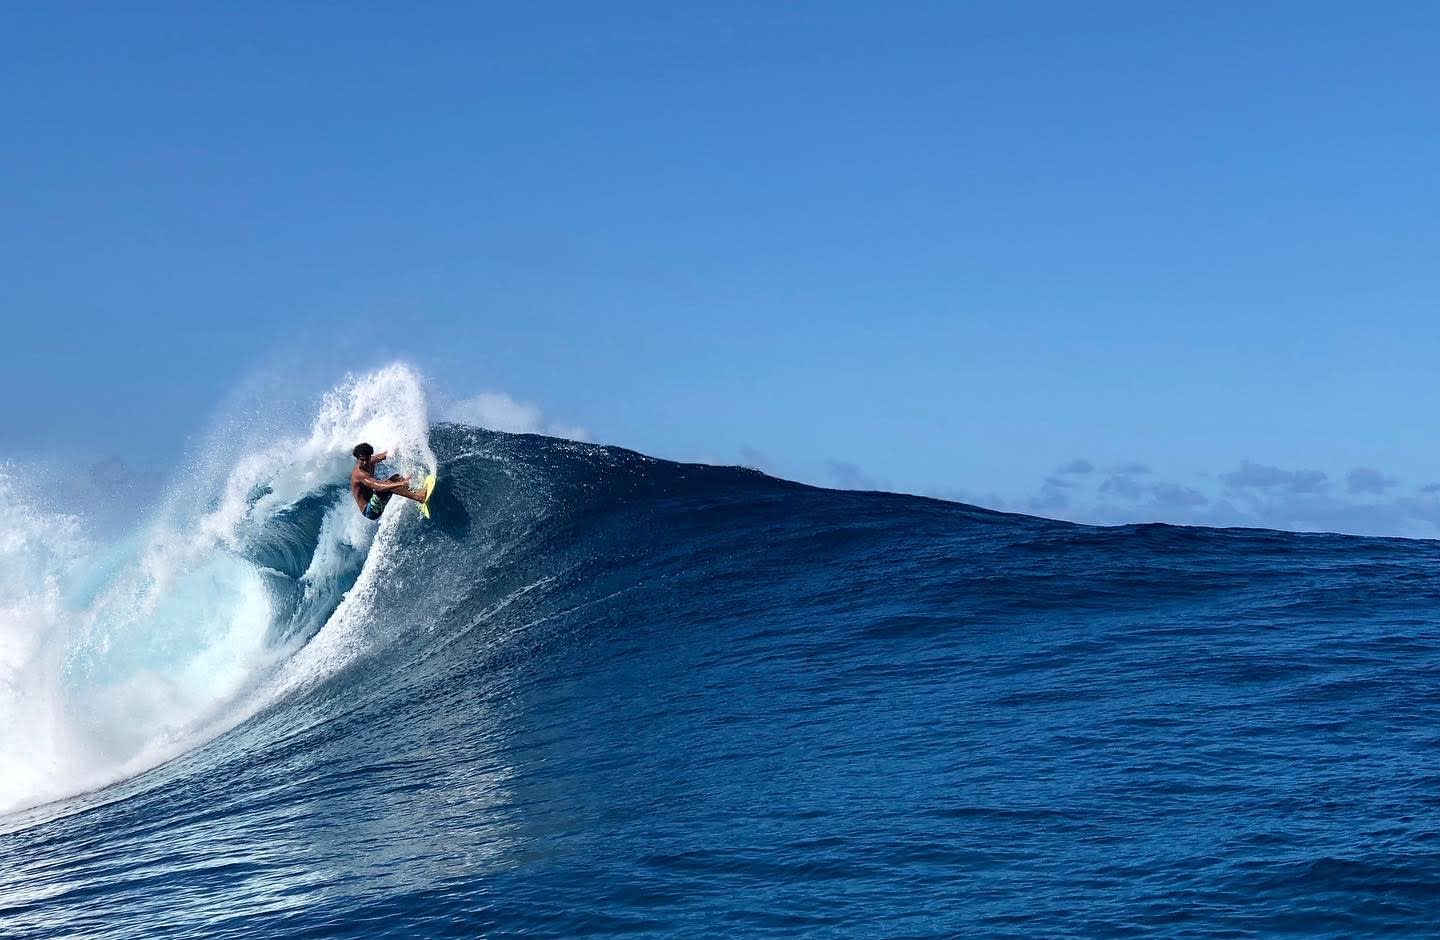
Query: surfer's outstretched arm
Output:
(397,485)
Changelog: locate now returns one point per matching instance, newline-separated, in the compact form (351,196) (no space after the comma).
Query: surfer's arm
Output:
(384,486)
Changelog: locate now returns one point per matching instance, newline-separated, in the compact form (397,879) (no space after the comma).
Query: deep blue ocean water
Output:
(603,694)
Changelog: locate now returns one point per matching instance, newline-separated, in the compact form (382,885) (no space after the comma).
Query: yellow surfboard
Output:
(429,488)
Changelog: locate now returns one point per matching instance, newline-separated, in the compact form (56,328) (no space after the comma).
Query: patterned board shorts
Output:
(376,506)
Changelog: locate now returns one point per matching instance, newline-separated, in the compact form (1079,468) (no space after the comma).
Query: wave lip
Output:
(117,657)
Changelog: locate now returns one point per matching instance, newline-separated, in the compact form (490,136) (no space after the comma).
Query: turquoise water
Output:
(605,694)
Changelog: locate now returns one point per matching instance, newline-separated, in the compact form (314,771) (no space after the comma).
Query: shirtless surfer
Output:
(371,494)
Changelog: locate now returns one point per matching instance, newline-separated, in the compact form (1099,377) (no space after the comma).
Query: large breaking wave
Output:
(116,656)
(603,693)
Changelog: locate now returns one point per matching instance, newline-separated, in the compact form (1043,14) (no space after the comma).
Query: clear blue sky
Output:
(957,245)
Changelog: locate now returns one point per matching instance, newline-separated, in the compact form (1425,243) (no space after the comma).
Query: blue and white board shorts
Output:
(376,506)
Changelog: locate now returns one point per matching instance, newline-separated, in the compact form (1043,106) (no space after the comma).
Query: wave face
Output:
(601,693)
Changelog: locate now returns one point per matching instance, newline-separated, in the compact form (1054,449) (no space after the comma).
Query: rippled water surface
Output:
(604,694)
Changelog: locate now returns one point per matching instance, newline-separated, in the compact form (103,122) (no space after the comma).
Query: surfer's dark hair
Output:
(363,452)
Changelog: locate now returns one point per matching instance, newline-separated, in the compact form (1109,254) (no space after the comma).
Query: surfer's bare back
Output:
(371,494)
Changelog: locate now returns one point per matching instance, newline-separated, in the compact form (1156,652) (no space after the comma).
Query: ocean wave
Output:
(600,692)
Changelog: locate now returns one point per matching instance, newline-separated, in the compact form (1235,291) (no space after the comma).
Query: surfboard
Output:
(429,488)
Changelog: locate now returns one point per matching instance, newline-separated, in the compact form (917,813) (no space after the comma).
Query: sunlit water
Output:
(604,694)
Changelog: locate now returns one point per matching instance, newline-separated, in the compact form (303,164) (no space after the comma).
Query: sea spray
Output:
(115,657)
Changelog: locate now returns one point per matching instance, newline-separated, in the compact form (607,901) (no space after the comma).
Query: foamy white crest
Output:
(36,549)
(385,408)
(116,658)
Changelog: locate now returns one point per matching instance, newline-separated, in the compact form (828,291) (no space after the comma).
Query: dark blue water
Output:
(614,695)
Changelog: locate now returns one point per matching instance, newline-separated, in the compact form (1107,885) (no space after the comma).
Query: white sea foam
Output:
(114,658)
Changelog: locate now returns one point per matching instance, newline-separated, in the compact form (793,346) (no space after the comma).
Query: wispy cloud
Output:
(499,412)
(1176,496)
(1368,480)
(1079,466)
(1256,476)
(1364,501)
(1131,469)
(1056,492)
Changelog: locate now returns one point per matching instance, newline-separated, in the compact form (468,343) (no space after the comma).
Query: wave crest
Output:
(116,657)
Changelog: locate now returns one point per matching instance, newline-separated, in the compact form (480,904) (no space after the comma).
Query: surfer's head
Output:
(363,452)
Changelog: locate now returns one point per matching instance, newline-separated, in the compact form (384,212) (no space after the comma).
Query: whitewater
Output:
(603,693)
(116,657)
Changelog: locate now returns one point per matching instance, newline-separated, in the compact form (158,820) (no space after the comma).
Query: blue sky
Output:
(940,247)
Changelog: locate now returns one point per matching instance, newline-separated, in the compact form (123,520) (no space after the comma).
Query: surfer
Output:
(371,494)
